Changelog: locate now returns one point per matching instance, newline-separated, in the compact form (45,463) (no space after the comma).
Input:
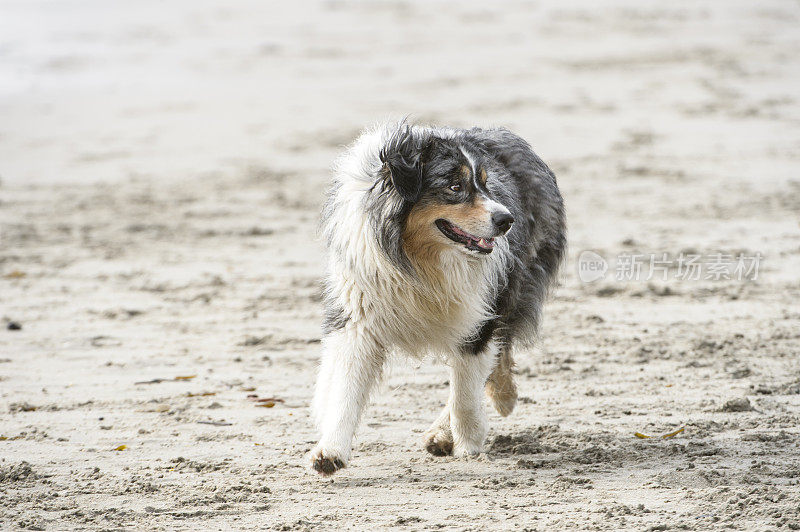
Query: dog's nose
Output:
(503,221)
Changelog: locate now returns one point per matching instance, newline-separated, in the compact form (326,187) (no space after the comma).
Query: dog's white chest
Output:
(436,315)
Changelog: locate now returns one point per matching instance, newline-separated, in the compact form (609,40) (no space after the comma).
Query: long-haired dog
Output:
(440,241)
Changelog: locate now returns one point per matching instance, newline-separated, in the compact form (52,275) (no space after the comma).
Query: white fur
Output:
(468,375)
(494,207)
(390,310)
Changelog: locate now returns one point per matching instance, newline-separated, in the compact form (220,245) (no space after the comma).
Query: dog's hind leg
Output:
(352,361)
(500,387)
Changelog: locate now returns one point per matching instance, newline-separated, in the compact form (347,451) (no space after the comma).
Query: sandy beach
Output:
(162,169)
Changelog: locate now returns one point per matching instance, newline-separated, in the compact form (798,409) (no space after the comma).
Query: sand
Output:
(163,167)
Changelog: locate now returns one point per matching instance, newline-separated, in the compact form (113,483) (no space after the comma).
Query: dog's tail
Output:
(500,386)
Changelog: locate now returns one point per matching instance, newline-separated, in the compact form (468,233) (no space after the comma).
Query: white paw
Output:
(466,450)
(326,462)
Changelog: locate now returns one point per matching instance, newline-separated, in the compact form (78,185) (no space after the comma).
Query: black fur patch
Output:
(388,217)
(402,158)
(476,345)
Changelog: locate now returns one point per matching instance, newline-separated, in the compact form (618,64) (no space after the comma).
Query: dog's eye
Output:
(456,187)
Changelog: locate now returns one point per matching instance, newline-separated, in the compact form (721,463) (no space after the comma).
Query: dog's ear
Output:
(402,157)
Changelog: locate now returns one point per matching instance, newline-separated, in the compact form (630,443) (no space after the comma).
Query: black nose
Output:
(503,221)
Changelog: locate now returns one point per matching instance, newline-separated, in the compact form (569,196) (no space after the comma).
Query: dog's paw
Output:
(502,392)
(438,442)
(505,405)
(326,462)
(467,450)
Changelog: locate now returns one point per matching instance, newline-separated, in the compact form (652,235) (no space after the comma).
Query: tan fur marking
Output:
(500,386)
(483,176)
(421,240)
(465,172)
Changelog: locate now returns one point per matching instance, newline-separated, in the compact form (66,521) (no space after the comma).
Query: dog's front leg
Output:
(468,374)
(352,361)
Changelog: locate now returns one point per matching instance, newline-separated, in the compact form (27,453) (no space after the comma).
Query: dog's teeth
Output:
(482,243)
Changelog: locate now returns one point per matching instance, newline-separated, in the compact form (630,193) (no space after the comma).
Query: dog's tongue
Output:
(485,244)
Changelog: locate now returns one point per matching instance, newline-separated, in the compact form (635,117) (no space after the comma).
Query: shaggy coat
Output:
(441,241)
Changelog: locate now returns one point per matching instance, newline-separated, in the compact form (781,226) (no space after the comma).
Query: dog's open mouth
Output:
(456,234)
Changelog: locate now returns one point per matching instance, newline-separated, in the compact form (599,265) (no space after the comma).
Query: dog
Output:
(443,241)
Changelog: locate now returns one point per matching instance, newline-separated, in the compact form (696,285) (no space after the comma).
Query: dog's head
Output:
(444,192)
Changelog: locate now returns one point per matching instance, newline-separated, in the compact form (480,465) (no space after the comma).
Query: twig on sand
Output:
(178,378)
(662,436)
